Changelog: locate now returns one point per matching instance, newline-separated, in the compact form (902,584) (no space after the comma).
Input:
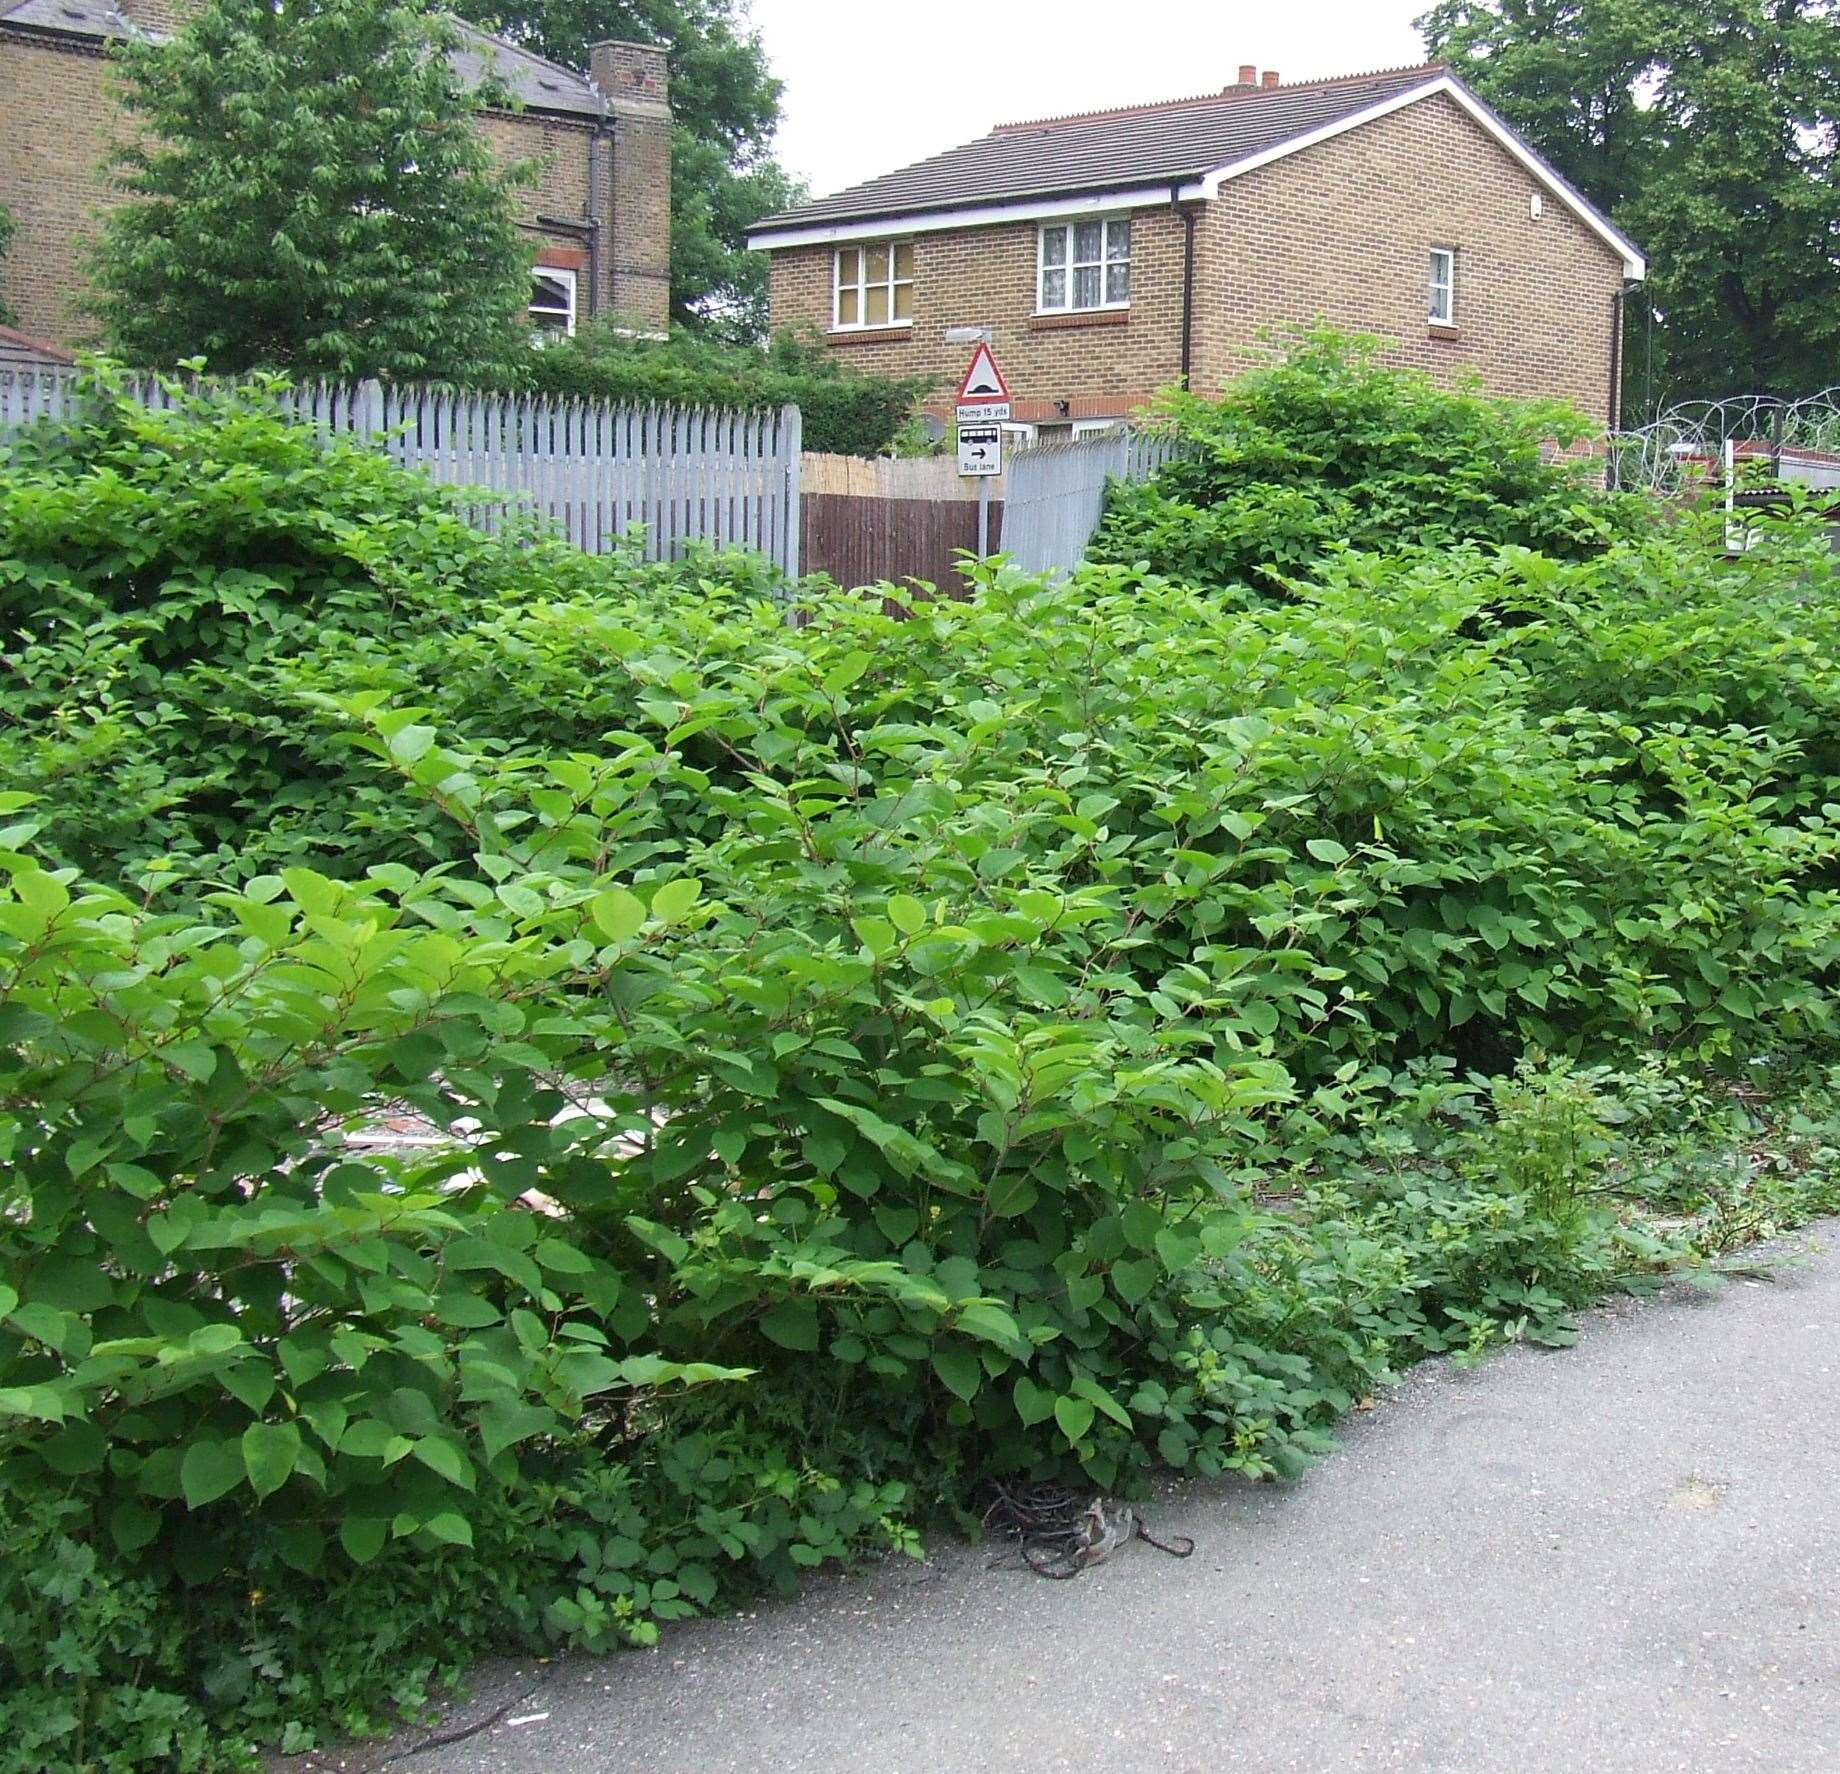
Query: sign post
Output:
(983,404)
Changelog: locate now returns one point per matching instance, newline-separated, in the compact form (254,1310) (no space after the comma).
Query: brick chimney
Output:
(1248,74)
(636,260)
(1269,78)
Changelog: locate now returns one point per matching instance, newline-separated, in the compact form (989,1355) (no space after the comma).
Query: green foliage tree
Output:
(1710,129)
(8,227)
(308,191)
(726,105)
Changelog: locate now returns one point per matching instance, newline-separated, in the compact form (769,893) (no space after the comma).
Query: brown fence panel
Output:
(865,539)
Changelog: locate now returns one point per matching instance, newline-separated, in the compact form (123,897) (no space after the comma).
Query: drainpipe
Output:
(1188,280)
(596,160)
(1616,374)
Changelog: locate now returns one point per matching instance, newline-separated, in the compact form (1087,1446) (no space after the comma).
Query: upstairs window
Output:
(1084,265)
(875,285)
(1443,286)
(552,302)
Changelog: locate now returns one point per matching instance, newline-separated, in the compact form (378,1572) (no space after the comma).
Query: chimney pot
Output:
(1248,74)
(1270,77)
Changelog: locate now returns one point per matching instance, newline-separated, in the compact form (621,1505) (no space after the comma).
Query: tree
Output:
(7,227)
(1710,130)
(309,191)
(726,106)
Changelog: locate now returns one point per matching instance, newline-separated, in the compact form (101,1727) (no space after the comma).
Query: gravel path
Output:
(1619,1558)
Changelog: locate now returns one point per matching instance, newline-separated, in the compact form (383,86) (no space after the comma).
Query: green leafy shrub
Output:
(1091,1028)
(842,410)
(1329,449)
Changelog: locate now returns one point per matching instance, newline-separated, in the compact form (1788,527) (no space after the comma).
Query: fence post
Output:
(792,434)
(370,409)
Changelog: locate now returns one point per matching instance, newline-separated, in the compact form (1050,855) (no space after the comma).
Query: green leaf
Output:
(456,1530)
(1134,1279)
(793,1324)
(561,1258)
(270,1453)
(209,1470)
(617,914)
(1034,1404)
(907,914)
(1095,1394)
(363,1537)
(847,670)
(79,1448)
(1326,850)
(132,1526)
(41,1403)
(444,1458)
(675,898)
(959,1369)
(986,1319)
(1075,1417)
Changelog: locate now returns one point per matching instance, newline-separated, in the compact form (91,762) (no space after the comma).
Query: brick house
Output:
(598,216)
(1116,252)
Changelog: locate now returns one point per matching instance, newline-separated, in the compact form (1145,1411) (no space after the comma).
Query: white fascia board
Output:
(1020,209)
(1635,267)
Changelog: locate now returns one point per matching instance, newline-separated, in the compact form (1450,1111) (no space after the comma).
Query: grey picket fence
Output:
(1054,494)
(590,471)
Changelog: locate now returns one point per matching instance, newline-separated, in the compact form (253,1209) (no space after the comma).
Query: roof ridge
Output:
(1224,94)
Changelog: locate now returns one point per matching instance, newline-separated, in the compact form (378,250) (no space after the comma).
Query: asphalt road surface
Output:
(1618,1558)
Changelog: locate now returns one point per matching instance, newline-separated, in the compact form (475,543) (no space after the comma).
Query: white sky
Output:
(870,86)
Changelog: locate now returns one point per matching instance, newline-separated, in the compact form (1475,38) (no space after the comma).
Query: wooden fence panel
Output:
(586,470)
(864,539)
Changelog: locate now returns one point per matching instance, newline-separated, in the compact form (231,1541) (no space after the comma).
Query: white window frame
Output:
(1447,284)
(571,280)
(1069,264)
(863,286)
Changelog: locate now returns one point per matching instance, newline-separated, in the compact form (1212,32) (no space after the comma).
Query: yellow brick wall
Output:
(55,141)
(1343,229)
(1099,364)
(56,134)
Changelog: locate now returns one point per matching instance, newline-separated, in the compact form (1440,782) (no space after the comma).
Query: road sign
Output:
(980,449)
(983,395)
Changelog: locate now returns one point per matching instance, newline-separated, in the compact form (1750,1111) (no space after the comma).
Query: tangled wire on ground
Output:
(1058,1533)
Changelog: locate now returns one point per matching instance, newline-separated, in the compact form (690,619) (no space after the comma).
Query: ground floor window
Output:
(552,301)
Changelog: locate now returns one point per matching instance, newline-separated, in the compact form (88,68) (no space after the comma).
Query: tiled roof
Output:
(1141,145)
(17,348)
(538,84)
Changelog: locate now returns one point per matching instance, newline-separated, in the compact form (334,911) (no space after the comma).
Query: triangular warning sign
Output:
(983,381)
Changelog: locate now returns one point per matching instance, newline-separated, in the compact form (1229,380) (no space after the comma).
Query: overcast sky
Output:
(872,87)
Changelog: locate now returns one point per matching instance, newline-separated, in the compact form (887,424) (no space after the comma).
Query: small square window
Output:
(1443,290)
